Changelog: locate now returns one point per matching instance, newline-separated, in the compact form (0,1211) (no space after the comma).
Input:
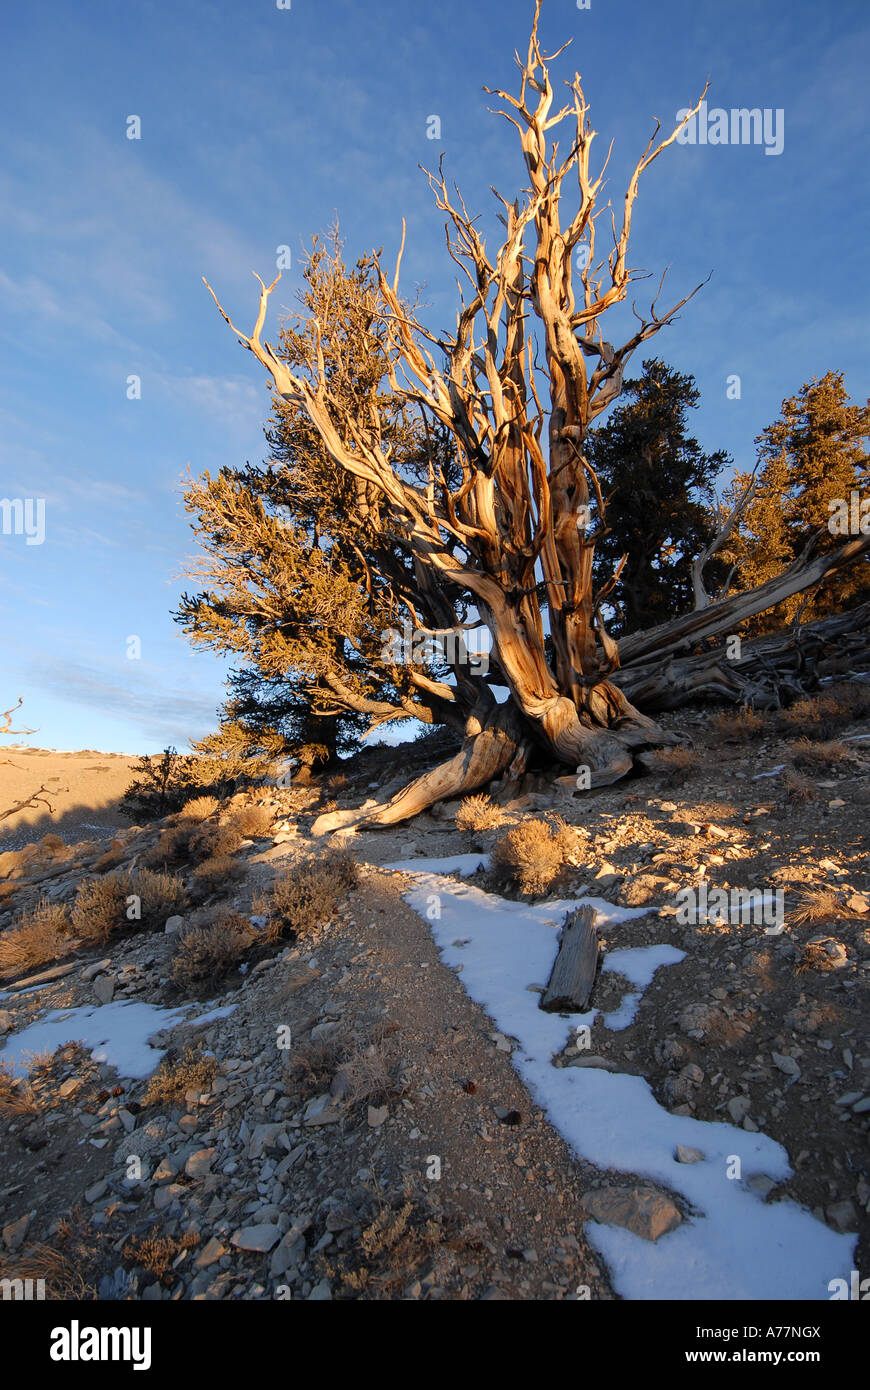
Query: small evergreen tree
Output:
(658,488)
(813,454)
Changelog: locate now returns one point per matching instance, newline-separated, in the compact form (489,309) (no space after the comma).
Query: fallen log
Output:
(573,975)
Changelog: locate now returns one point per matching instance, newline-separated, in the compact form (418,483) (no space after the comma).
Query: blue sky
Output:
(258,124)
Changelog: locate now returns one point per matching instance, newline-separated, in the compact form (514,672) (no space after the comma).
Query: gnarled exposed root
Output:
(497,746)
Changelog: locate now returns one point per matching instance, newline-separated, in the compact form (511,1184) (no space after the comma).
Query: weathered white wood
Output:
(575,967)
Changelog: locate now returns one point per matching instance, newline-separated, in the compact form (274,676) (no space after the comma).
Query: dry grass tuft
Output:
(370,1077)
(674,764)
(403,1243)
(161,895)
(305,897)
(820,756)
(313,1064)
(199,809)
(69,1269)
(17,1096)
(821,904)
(822,953)
(39,937)
(738,726)
(52,844)
(157,1253)
(822,717)
(531,854)
(798,790)
(478,813)
(207,953)
(192,1071)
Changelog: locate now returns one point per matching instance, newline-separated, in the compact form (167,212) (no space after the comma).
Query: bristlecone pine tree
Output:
(814,455)
(658,486)
(454,489)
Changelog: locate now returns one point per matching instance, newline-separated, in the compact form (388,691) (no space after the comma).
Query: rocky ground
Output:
(352,1126)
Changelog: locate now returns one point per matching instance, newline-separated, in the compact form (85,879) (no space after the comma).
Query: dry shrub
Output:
(214,841)
(798,790)
(370,1077)
(306,896)
(192,840)
(161,895)
(40,936)
(252,822)
(192,1071)
(822,953)
(531,854)
(674,764)
(737,726)
(101,904)
(821,904)
(172,847)
(17,1096)
(402,1243)
(70,1269)
(853,697)
(478,813)
(156,1253)
(819,757)
(52,844)
(217,873)
(313,1064)
(207,953)
(199,809)
(819,718)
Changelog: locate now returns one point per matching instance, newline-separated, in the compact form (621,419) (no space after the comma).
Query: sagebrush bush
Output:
(37,938)
(208,952)
(252,822)
(192,1071)
(172,847)
(100,906)
(213,840)
(219,872)
(52,844)
(478,813)
(161,896)
(306,896)
(531,854)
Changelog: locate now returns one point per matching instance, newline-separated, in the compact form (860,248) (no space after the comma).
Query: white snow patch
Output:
(465,864)
(736,1246)
(212,1015)
(116,1033)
